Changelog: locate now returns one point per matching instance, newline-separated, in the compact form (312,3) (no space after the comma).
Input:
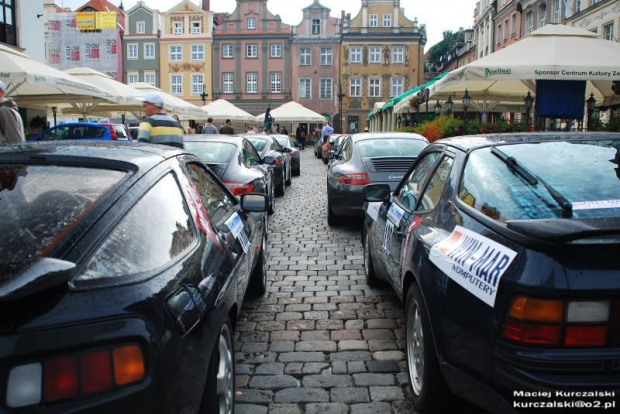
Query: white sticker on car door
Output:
(395,213)
(235,225)
(372,209)
(475,262)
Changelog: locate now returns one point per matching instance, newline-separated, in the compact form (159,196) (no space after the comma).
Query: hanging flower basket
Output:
(414,103)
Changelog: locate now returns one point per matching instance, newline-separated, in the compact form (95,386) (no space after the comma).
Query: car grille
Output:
(391,164)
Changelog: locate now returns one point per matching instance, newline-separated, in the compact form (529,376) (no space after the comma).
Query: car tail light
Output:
(278,162)
(239,188)
(562,323)
(73,376)
(354,179)
(113,132)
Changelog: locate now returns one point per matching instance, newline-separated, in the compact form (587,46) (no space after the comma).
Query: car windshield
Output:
(211,152)
(39,204)
(391,147)
(283,141)
(560,170)
(258,143)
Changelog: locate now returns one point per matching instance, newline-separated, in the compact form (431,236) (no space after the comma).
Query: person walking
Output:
(228,128)
(300,136)
(209,128)
(159,127)
(326,131)
(11,125)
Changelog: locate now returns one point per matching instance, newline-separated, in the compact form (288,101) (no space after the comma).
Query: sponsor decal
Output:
(595,205)
(497,71)
(395,213)
(580,73)
(475,262)
(372,209)
(395,177)
(235,225)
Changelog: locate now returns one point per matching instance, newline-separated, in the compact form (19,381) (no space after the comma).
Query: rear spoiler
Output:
(566,230)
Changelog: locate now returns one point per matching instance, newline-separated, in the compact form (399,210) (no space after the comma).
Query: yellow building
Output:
(381,57)
(185,50)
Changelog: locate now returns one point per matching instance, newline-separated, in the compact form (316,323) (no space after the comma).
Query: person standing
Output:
(210,128)
(251,131)
(326,131)
(11,125)
(228,128)
(300,136)
(159,127)
(268,123)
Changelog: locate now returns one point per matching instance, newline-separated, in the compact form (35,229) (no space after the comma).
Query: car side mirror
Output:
(254,203)
(269,160)
(376,192)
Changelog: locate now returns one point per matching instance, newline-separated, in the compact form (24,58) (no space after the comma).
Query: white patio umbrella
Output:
(32,82)
(173,104)
(554,52)
(221,110)
(292,112)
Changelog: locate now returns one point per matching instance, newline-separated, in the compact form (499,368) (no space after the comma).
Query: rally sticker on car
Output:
(595,205)
(372,209)
(235,225)
(473,261)
(395,213)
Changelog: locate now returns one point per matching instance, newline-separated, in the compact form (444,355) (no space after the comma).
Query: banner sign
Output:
(85,20)
(106,20)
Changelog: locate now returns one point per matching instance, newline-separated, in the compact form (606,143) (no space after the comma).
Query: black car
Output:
(267,145)
(291,147)
(235,161)
(364,159)
(505,252)
(123,269)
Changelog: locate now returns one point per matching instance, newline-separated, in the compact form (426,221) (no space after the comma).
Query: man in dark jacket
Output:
(228,128)
(300,136)
(11,125)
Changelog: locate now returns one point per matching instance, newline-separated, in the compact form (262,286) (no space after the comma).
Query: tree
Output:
(450,40)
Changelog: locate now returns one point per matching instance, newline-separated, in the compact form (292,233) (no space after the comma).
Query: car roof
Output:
(259,136)
(472,142)
(231,139)
(386,135)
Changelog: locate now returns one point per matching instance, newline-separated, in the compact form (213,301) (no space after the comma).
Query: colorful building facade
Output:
(507,23)
(141,45)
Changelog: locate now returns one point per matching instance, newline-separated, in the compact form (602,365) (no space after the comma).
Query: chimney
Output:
(205,5)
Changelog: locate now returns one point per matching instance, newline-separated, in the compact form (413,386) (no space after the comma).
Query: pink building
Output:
(315,57)
(251,58)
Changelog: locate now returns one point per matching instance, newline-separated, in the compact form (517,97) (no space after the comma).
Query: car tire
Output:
(280,189)
(290,176)
(325,160)
(219,396)
(429,391)
(258,280)
(369,269)
(272,201)
(331,217)
(296,172)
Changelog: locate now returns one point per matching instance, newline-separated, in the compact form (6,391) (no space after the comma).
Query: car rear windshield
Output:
(391,147)
(283,141)
(211,152)
(584,173)
(39,204)
(259,144)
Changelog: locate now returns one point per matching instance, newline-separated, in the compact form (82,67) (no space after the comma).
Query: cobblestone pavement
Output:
(320,340)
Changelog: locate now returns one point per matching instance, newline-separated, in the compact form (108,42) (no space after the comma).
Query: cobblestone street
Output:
(320,340)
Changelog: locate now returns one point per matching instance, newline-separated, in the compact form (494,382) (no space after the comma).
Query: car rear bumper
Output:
(346,200)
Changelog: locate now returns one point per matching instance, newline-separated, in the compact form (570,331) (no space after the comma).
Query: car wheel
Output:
(272,201)
(369,270)
(325,160)
(219,394)
(424,375)
(297,171)
(258,281)
(280,189)
(290,175)
(331,217)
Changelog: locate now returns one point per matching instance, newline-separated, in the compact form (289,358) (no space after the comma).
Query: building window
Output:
(398,54)
(529,22)
(513,24)
(316,26)
(132,51)
(275,82)
(176,84)
(251,50)
(542,15)
(8,29)
(198,53)
(374,54)
(374,87)
(374,20)
(149,78)
(276,50)
(196,27)
(251,23)
(227,51)
(140,27)
(149,51)
(578,6)
(132,77)
(556,9)
(356,54)
(177,28)
(608,31)
(176,53)
(197,84)
(355,87)
(397,86)
(499,34)
(227,82)
(251,82)
(506,29)
(327,56)
(305,55)
(387,20)
(305,88)
(596,1)
(326,88)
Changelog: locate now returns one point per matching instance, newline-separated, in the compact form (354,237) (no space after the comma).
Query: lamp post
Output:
(437,109)
(466,103)
(340,97)
(449,105)
(54,112)
(528,101)
(204,96)
(591,102)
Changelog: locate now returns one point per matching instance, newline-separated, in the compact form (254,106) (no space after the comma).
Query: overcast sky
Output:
(438,15)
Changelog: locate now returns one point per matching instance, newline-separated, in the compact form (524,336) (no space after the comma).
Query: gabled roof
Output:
(141,5)
(188,6)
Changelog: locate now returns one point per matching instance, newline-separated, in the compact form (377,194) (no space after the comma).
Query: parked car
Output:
(335,142)
(266,146)
(133,132)
(291,147)
(123,272)
(84,131)
(506,257)
(364,159)
(235,161)
(318,148)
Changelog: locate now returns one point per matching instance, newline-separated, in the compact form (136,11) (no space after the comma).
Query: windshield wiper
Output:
(530,178)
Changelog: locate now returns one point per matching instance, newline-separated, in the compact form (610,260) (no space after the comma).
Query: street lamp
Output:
(437,109)
(54,112)
(528,101)
(449,105)
(466,103)
(591,102)
(204,96)
(340,97)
